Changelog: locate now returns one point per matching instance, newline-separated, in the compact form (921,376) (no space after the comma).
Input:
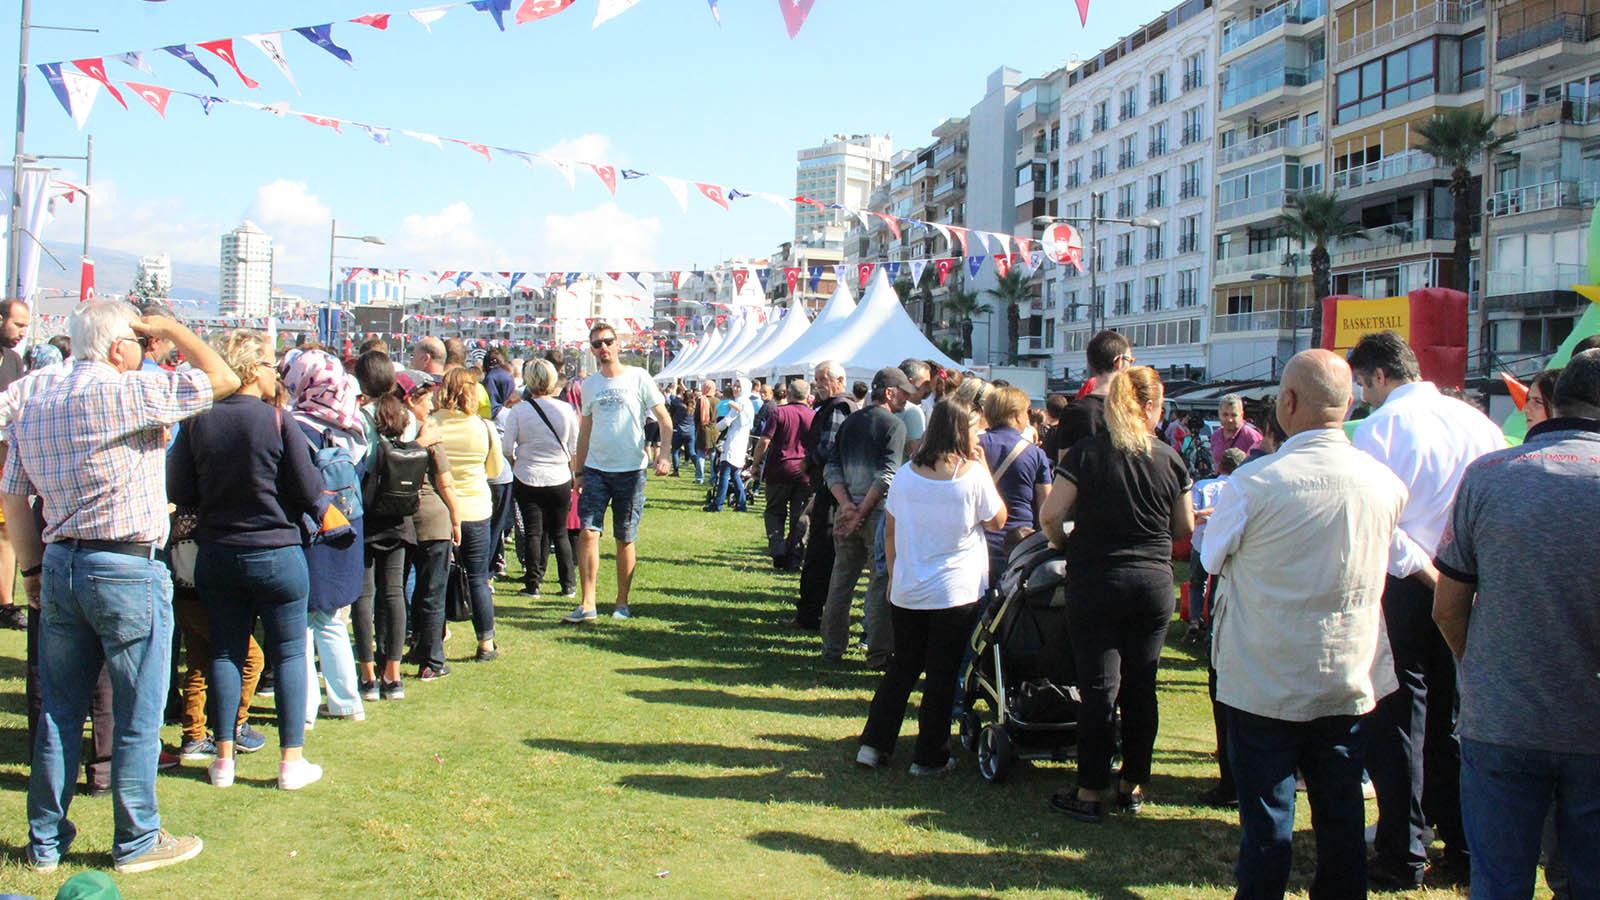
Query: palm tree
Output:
(964,305)
(1460,139)
(1318,219)
(1011,291)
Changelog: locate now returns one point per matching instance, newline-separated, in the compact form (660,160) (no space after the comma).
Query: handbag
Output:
(573,522)
(458,592)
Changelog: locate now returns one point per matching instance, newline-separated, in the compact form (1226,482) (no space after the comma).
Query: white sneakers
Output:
(221,772)
(292,776)
(869,757)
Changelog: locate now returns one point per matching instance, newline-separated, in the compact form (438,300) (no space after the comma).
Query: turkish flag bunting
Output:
(324,121)
(86,281)
(791,277)
(941,267)
(961,235)
(540,9)
(676,278)
(808,201)
(795,12)
(1083,12)
(379,21)
(1002,264)
(95,68)
(740,276)
(894,227)
(476,148)
(713,193)
(223,48)
(863,272)
(1022,244)
(607,174)
(155,95)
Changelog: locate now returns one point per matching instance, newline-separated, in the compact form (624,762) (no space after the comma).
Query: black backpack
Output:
(399,470)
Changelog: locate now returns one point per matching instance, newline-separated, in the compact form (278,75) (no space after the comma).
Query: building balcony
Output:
(1188,190)
(1536,120)
(1190,135)
(1075,136)
(1443,12)
(1534,46)
(1266,94)
(1188,243)
(1293,13)
(954,150)
(1534,279)
(1152,250)
(1152,303)
(1541,197)
(1156,148)
(1126,111)
(1124,209)
(949,186)
(1155,200)
(1271,142)
(1124,258)
(1073,181)
(1391,171)
(1269,320)
(1193,81)
(1122,307)
(1098,125)
(1098,170)
(1158,96)
(1125,161)
(1188,297)
(1272,264)
(1249,209)
(1391,240)
(1032,345)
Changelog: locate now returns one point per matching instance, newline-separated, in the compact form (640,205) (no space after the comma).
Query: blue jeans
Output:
(726,472)
(330,636)
(686,444)
(240,585)
(1505,793)
(477,549)
(1265,754)
(622,491)
(100,609)
(427,603)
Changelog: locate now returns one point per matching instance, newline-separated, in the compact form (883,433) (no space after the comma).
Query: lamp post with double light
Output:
(1095,219)
(334,237)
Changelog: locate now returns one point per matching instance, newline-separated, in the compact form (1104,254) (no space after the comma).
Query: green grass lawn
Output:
(701,749)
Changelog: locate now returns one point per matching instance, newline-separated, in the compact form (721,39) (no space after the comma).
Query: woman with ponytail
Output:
(1127,493)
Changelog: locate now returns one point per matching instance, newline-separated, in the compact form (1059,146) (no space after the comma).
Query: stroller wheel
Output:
(996,755)
(970,726)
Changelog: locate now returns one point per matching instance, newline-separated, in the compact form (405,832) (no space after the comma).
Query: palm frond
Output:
(1458,138)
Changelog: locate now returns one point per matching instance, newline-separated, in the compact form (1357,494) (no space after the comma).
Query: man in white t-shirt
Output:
(610,465)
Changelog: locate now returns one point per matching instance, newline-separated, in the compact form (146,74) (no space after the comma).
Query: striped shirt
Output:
(92,444)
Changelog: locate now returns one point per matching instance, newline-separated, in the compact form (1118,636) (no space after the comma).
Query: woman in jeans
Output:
(1128,492)
(939,506)
(736,423)
(438,529)
(473,449)
(382,608)
(542,433)
(322,400)
(380,587)
(248,473)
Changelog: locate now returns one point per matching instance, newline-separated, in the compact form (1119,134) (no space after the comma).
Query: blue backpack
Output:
(341,489)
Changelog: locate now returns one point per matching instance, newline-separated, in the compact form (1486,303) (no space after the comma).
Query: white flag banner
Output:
(918,266)
(610,9)
(81,93)
(271,46)
(135,60)
(564,166)
(424,137)
(679,189)
(428,15)
(783,203)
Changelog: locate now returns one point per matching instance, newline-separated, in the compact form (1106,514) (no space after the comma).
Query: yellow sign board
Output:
(1354,318)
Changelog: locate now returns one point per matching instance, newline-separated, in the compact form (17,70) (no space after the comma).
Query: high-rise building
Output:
(246,265)
(154,276)
(845,169)
(371,287)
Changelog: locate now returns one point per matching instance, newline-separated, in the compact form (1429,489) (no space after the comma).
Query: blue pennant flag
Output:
(715,13)
(527,158)
(496,8)
(462,277)
(184,53)
(892,269)
(736,194)
(571,277)
(515,277)
(816,277)
(765,275)
(206,102)
(378,133)
(58,85)
(974,263)
(634,275)
(322,36)
(631,174)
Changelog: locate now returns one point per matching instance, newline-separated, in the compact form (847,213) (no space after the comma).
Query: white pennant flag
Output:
(427,15)
(271,46)
(945,232)
(135,60)
(564,166)
(679,189)
(918,266)
(424,137)
(81,93)
(610,9)
(783,203)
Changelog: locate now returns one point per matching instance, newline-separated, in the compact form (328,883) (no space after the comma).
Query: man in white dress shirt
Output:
(1427,439)
(1300,542)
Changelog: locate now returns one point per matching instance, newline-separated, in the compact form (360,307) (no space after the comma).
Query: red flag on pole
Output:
(86,281)
(1002,264)
(223,48)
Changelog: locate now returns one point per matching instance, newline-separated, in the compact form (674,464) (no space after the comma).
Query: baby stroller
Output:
(1022,667)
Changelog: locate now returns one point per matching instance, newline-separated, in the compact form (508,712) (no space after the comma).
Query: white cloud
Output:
(156,225)
(586,148)
(298,222)
(601,239)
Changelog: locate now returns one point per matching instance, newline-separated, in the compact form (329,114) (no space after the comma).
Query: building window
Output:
(1387,82)
(1158,88)
(1158,139)
(1102,115)
(1124,299)
(1472,63)
(1191,126)
(1189,234)
(1155,195)
(1126,155)
(1124,201)
(1152,292)
(1188,287)
(1124,250)
(1073,309)
(1129,107)
(1194,71)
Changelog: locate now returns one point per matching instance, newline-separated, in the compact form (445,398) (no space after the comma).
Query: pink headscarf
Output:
(318,388)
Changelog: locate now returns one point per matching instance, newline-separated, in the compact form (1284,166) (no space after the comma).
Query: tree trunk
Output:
(1013,322)
(966,338)
(1461,193)
(1321,286)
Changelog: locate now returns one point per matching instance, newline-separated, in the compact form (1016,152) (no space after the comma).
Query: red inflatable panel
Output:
(1437,331)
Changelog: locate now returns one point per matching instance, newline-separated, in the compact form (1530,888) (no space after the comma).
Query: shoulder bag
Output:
(573,522)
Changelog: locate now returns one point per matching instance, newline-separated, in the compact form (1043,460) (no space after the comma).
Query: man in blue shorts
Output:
(610,465)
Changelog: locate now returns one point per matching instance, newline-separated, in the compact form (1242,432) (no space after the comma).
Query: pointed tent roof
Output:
(879,333)
(739,365)
(737,339)
(799,356)
(794,325)
(689,346)
(708,344)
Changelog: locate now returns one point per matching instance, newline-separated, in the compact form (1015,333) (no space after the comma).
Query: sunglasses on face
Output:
(597,343)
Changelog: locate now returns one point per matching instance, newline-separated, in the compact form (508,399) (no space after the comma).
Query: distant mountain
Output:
(114,271)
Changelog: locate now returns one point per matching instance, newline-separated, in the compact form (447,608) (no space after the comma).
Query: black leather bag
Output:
(458,593)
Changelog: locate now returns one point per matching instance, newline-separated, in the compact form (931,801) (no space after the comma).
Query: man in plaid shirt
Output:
(91,444)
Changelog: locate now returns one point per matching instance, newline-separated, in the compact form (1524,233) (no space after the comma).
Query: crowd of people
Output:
(1385,604)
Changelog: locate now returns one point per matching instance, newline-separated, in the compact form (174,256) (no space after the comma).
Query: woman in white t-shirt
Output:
(938,507)
(735,446)
(541,435)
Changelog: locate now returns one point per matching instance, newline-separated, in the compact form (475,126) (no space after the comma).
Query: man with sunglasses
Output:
(611,463)
(1107,354)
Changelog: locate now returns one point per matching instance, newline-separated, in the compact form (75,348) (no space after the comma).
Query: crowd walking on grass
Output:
(1388,597)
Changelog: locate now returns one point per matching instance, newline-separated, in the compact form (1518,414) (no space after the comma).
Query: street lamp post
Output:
(1094,219)
(334,237)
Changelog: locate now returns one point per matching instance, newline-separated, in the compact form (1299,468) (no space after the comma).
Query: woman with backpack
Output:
(542,433)
(246,470)
(391,493)
(322,400)
(473,448)
(437,524)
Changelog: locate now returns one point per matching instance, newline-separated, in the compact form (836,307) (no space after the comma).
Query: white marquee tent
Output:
(878,333)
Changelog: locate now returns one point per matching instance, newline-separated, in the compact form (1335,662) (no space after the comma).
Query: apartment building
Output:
(1545,84)
(1137,122)
(843,169)
(1038,126)
(822,258)
(245,267)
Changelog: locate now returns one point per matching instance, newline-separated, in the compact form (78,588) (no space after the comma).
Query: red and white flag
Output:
(86,281)
(153,94)
(607,174)
(961,235)
(95,68)
(379,21)
(476,148)
(942,267)
(894,227)
(863,272)
(1002,264)
(324,121)
(791,277)
(540,9)
(713,193)
(795,12)
(223,48)
(740,276)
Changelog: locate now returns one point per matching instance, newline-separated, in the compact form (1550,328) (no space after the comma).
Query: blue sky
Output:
(661,89)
